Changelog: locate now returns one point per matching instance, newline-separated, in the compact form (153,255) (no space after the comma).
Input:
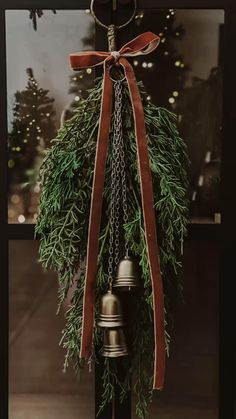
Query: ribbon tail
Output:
(149,224)
(95,217)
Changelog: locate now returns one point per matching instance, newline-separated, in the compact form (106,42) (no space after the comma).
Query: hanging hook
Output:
(111,37)
(114,4)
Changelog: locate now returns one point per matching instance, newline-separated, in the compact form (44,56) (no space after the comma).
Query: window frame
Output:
(224,232)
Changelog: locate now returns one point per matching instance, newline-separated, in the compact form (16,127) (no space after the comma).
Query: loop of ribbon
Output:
(141,45)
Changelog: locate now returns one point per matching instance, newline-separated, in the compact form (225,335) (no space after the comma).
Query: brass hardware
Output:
(114,343)
(110,311)
(126,278)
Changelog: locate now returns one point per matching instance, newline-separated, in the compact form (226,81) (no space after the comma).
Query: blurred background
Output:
(184,74)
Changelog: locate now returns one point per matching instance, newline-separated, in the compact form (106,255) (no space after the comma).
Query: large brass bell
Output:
(126,277)
(114,343)
(111,315)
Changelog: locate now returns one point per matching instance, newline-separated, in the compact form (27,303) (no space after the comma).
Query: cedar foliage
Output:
(66,178)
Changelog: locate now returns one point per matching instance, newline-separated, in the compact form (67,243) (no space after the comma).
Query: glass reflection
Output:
(42,94)
(184,74)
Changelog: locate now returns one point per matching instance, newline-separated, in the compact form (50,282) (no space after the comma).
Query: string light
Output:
(89,70)
(166,53)
(25,141)
(18,149)
(15,199)
(171,100)
(77,98)
(87,11)
(144,64)
(200,180)
(47,114)
(148,97)
(167,16)
(139,15)
(175,93)
(11,164)
(182,65)
(21,218)
(177,63)
(135,63)
(163,40)
(34,93)
(38,138)
(194,196)
(74,78)
(150,65)
(161,34)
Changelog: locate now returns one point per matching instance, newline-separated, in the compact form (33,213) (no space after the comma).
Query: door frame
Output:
(225,232)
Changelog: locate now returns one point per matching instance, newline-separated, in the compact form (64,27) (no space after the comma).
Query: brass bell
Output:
(114,344)
(110,311)
(126,278)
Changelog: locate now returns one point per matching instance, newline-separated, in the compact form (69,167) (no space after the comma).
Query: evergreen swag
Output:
(66,178)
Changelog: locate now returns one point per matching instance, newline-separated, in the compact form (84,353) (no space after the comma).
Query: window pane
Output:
(184,74)
(42,92)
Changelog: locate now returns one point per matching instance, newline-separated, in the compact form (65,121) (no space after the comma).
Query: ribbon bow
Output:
(141,45)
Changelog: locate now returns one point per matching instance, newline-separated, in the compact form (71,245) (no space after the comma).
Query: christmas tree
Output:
(164,72)
(33,127)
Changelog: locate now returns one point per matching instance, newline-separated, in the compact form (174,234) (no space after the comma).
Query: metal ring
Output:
(114,80)
(98,21)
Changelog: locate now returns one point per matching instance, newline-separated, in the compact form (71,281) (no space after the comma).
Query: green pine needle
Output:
(66,178)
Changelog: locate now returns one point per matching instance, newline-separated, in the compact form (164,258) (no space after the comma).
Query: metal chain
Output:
(118,183)
(124,186)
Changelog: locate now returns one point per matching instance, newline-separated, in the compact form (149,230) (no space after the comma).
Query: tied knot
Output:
(116,55)
(141,45)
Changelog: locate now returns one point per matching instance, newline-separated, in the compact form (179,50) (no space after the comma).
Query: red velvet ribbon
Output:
(142,44)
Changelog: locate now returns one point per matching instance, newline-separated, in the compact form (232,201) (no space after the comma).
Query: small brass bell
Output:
(126,278)
(110,311)
(114,343)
